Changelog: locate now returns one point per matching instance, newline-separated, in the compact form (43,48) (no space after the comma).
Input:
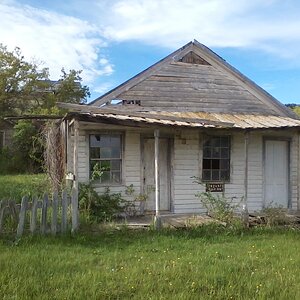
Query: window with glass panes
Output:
(106,157)
(216,159)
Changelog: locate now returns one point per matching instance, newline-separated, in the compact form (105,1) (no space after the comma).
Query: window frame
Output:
(204,140)
(122,143)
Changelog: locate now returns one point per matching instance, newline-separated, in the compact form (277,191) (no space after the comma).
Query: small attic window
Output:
(131,102)
(193,58)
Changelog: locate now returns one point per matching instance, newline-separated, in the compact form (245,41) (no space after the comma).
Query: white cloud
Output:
(103,88)
(55,39)
(270,25)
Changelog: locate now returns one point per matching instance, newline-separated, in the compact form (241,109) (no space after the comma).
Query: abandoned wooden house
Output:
(6,133)
(189,115)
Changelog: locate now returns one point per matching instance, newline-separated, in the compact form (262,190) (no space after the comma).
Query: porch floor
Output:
(168,220)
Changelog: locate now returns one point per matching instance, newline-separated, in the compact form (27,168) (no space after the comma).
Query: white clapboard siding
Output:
(185,165)
(294,164)
(187,162)
(255,172)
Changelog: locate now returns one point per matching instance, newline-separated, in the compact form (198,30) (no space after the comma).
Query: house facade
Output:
(6,133)
(191,115)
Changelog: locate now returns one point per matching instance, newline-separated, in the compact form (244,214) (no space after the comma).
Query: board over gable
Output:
(193,78)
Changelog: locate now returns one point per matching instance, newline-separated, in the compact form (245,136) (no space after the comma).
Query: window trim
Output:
(204,139)
(122,148)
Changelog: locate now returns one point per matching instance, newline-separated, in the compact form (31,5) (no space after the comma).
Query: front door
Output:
(164,173)
(276,173)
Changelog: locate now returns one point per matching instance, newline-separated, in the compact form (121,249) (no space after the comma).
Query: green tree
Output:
(25,87)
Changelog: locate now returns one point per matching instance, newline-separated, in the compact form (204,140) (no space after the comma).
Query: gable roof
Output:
(194,78)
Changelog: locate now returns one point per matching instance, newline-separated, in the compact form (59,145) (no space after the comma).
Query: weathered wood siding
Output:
(195,87)
(187,162)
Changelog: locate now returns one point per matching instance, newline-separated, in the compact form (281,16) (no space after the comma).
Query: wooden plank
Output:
(3,205)
(186,87)
(64,212)
(13,210)
(44,214)
(22,216)
(54,213)
(33,217)
(220,80)
(75,212)
(191,93)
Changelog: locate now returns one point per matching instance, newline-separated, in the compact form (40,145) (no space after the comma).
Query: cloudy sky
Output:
(112,40)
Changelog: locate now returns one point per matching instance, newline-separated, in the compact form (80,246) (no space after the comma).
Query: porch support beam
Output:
(75,212)
(157,220)
(245,212)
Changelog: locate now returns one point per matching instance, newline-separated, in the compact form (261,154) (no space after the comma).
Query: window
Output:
(216,158)
(106,157)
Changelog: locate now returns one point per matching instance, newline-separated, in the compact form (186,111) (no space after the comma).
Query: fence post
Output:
(33,217)
(64,211)
(74,203)
(44,214)
(54,213)
(3,204)
(22,216)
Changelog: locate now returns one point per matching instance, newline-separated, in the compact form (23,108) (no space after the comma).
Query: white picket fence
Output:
(55,214)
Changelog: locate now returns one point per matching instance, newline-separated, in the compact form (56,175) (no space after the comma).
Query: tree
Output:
(25,87)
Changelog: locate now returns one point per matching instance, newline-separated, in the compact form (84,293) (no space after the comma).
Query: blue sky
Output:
(112,40)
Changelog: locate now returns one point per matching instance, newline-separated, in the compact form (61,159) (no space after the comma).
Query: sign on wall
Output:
(215,187)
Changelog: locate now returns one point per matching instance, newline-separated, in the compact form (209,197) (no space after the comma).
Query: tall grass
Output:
(16,186)
(205,263)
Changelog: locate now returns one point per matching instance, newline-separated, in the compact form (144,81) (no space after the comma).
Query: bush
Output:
(274,216)
(99,208)
(218,206)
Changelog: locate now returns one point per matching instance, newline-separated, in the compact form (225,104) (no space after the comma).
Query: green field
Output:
(16,186)
(201,263)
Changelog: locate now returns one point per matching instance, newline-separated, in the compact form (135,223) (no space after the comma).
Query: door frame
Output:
(170,153)
(289,187)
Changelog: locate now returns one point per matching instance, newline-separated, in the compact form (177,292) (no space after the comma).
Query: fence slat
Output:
(22,216)
(74,203)
(54,213)
(13,210)
(64,211)
(3,205)
(44,214)
(33,217)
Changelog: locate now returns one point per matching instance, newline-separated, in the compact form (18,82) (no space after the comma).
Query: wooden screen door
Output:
(276,173)
(164,173)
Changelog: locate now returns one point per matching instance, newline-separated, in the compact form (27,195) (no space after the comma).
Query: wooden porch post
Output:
(245,202)
(157,220)
(74,203)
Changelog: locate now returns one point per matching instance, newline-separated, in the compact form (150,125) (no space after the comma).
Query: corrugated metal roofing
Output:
(206,120)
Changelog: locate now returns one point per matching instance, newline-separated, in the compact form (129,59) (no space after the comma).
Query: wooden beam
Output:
(75,181)
(245,200)
(157,179)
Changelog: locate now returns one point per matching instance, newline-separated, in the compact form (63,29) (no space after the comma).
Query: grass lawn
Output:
(16,186)
(203,263)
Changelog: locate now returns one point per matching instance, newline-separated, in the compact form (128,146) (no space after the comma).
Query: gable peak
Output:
(193,58)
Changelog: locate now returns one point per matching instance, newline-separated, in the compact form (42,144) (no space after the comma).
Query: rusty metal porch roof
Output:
(197,119)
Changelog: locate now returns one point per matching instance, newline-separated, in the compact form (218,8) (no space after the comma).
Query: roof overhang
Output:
(179,119)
